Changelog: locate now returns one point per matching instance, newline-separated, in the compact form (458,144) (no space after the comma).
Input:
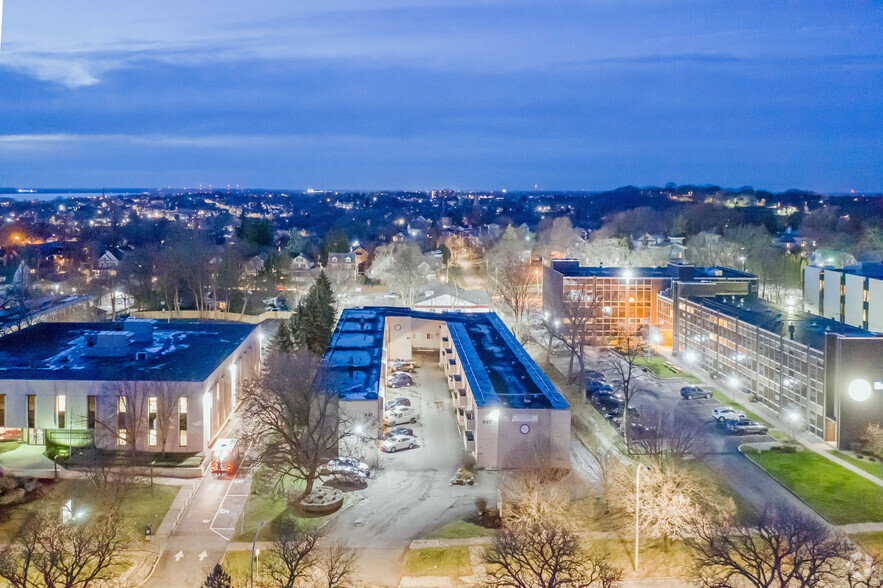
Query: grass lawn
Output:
(9,446)
(656,364)
(871,542)
(875,468)
(144,505)
(839,495)
(237,564)
(452,562)
(728,400)
(460,529)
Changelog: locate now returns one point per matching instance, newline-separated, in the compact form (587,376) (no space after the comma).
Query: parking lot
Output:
(721,452)
(409,493)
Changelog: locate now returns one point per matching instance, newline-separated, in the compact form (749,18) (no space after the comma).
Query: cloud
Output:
(73,72)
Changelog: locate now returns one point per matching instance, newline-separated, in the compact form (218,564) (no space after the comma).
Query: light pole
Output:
(638,510)
(253,543)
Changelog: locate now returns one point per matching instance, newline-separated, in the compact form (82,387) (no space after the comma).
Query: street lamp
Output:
(253,543)
(734,383)
(638,510)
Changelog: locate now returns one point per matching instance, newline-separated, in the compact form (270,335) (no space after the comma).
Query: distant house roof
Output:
(342,257)
(179,351)
(498,369)
(435,289)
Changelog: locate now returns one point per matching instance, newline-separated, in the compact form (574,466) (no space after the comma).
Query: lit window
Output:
(121,438)
(60,403)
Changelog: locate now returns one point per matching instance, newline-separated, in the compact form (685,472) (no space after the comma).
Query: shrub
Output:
(872,439)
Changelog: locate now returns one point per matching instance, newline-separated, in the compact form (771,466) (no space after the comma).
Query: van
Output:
(226,457)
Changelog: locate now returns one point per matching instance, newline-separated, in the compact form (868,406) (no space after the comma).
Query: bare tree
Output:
(398,265)
(164,396)
(578,310)
(783,548)
(338,565)
(543,555)
(672,500)
(666,437)
(623,362)
(604,463)
(124,421)
(864,570)
(531,495)
(514,284)
(50,553)
(294,417)
(293,554)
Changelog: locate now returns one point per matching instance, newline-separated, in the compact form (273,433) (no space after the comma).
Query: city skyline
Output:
(418,95)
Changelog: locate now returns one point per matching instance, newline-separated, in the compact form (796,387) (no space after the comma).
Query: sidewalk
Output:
(808,440)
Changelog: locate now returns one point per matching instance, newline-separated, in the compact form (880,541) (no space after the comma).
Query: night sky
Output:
(421,94)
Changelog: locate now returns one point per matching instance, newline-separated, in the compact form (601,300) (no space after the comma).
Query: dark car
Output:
(594,385)
(399,431)
(691,392)
(396,402)
(638,430)
(399,380)
(746,427)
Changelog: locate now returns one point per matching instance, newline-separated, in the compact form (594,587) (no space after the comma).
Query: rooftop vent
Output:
(141,356)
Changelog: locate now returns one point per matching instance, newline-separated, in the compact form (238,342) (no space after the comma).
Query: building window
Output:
(121,420)
(151,420)
(182,421)
(90,412)
(32,411)
(60,406)
(2,410)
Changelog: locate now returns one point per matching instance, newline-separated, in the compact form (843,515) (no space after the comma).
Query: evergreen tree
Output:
(313,320)
(283,341)
(218,578)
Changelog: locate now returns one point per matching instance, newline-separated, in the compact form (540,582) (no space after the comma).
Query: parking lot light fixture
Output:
(859,390)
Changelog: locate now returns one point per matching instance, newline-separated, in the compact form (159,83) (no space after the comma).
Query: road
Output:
(202,536)
(751,483)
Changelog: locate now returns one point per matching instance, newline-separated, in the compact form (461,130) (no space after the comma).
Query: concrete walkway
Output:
(28,461)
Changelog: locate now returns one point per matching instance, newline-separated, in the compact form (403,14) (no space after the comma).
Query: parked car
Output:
(396,402)
(593,386)
(595,375)
(344,464)
(691,392)
(399,380)
(399,431)
(638,430)
(609,392)
(726,413)
(350,475)
(397,442)
(400,415)
(402,365)
(746,427)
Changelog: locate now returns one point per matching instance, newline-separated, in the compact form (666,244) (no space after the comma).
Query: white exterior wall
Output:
(811,277)
(209,405)
(832,295)
(398,337)
(875,305)
(854,300)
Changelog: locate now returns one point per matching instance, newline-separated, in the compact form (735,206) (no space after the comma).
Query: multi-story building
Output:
(808,369)
(509,414)
(105,383)
(620,297)
(853,296)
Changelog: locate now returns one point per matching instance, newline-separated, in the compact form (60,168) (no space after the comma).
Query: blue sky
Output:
(363,94)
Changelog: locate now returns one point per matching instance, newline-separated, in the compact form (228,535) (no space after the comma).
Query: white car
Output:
(400,415)
(726,413)
(397,442)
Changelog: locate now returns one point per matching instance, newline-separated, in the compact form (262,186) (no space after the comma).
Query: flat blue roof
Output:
(178,351)
(809,329)
(497,367)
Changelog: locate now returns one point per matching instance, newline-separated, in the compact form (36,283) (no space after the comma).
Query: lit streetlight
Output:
(253,543)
